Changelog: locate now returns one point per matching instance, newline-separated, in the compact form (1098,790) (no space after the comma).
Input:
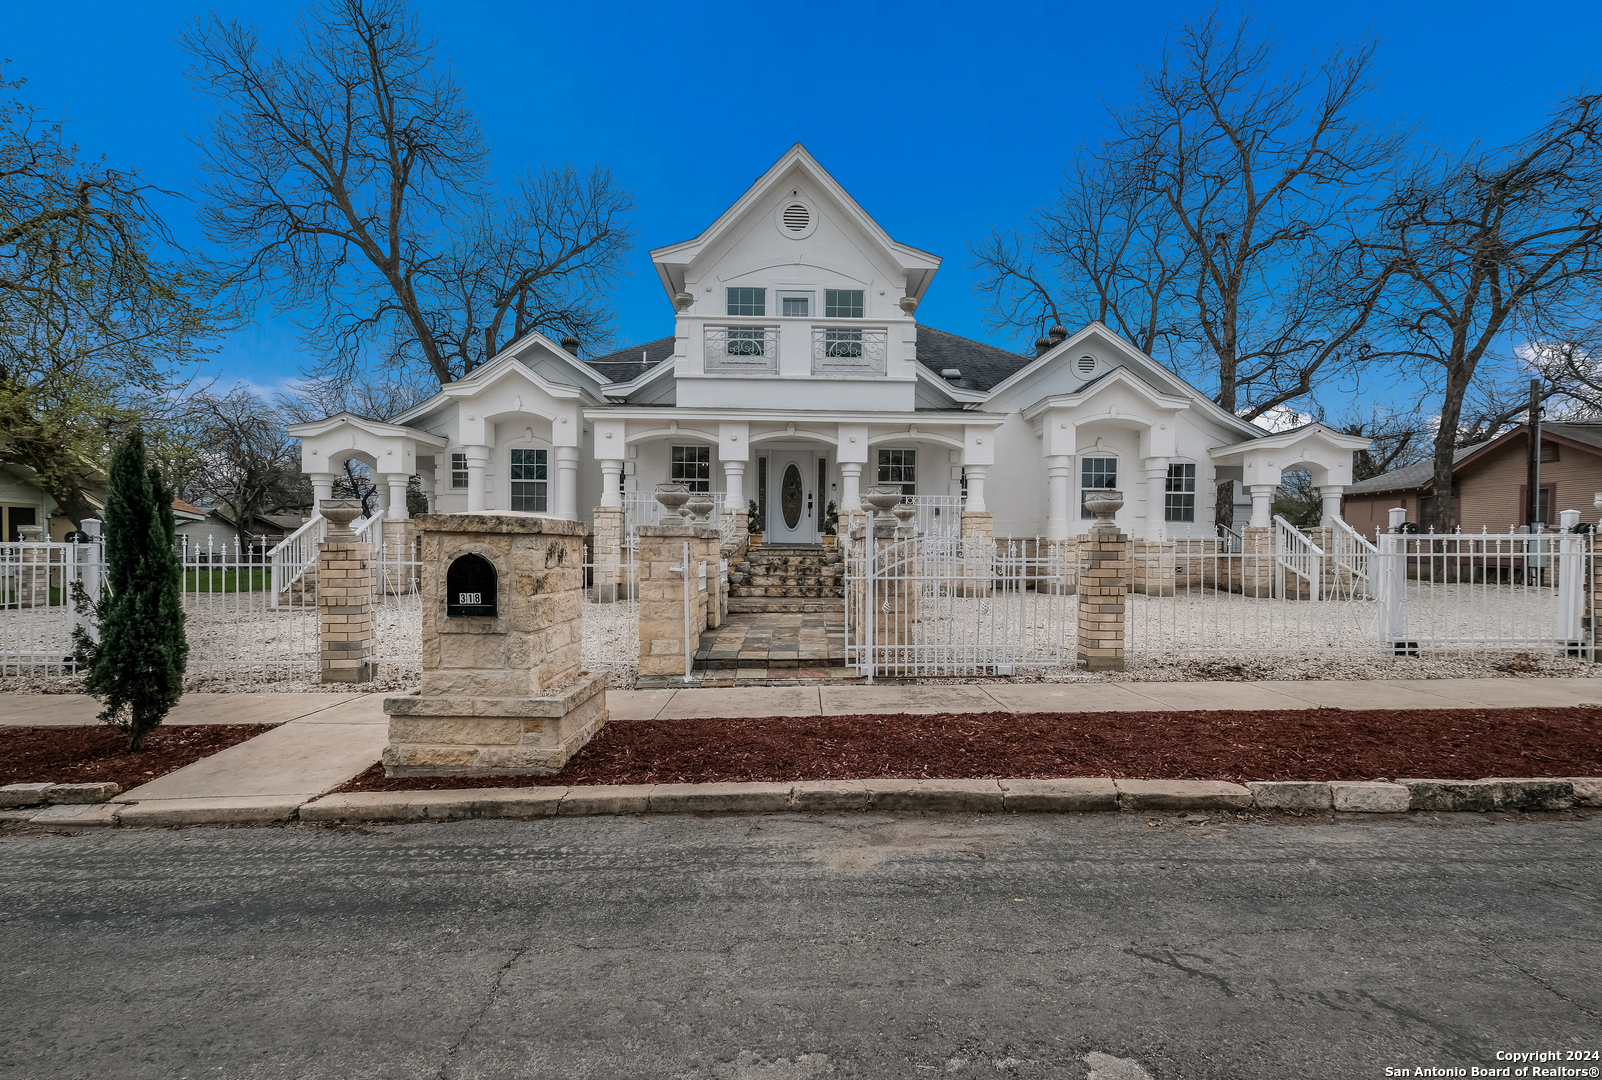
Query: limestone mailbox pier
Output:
(502,692)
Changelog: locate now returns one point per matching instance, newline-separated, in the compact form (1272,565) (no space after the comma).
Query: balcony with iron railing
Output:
(756,346)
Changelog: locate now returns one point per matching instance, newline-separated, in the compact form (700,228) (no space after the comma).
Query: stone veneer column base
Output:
(468,736)
(345,611)
(1103,594)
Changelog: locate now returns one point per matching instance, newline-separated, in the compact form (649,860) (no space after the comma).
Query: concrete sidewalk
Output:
(826,700)
(63,710)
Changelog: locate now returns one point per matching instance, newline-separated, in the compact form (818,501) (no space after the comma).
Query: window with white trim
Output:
(530,477)
(842,303)
(1179,500)
(748,301)
(1095,473)
(899,468)
(692,465)
(458,470)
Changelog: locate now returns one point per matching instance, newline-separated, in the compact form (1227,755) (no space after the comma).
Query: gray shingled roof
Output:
(628,364)
(982,366)
(1416,476)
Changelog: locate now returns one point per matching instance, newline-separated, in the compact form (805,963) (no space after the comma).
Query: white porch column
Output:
(477,466)
(567,464)
(1059,488)
(611,485)
(1330,496)
(734,485)
(380,497)
(1156,498)
(395,506)
(976,489)
(322,487)
(1262,505)
(850,486)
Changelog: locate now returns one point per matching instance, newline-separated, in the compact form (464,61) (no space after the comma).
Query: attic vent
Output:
(1086,364)
(951,373)
(797,217)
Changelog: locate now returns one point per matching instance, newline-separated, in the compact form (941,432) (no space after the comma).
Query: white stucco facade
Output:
(797,370)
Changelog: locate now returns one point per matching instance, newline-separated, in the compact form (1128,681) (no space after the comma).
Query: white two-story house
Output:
(796,375)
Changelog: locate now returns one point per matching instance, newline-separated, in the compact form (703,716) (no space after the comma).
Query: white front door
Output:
(793,497)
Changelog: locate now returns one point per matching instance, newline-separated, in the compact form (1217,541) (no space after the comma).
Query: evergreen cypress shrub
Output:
(138,671)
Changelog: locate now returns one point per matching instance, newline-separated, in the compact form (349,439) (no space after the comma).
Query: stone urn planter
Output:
(673,497)
(699,506)
(1104,503)
(339,513)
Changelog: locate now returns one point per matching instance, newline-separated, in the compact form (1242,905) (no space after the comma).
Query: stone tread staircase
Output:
(787,579)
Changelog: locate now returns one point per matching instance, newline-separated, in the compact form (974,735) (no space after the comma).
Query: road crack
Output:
(479,1013)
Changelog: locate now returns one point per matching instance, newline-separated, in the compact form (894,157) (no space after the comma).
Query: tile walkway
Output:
(758,649)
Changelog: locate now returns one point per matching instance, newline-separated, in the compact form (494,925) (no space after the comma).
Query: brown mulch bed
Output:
(1311,744)
(96,753)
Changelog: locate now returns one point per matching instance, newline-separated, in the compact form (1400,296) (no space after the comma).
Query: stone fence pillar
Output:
(662,594)
(344,597)
(1104,582)
(502,691)
(608,556)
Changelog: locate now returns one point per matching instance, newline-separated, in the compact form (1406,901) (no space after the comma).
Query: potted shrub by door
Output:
(753,522)
(831,524)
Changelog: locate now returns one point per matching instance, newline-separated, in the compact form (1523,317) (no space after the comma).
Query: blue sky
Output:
(944,120)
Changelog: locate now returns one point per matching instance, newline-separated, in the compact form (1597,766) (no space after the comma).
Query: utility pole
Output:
(1532,480)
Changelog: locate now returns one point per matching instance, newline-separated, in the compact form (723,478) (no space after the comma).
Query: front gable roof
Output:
(1102,384)
(671,261)
(1149,370)
(376,428)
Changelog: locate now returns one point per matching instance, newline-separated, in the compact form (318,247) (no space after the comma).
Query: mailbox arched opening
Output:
(470,587)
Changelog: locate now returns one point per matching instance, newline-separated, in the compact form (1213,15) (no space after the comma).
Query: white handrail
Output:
(1295,552)
(1354,555)
(289,560)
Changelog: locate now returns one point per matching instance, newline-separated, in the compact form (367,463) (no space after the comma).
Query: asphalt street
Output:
(793,947)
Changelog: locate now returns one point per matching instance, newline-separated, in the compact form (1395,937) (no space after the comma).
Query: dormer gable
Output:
(795,231)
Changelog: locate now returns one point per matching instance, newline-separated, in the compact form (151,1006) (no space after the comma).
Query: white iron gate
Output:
(931,606)
(242,617)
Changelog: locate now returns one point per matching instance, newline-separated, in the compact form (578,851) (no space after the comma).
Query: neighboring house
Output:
(214,528)
(1490,482)
(24,502)
(796,374)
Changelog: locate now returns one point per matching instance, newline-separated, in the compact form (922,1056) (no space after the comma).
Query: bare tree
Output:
(251,465)
(1499,243)
(348,178)
(1219,223)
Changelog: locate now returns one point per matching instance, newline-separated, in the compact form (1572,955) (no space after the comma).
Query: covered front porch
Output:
(801,474)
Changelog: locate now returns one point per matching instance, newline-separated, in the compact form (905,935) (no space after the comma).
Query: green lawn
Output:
(227,580)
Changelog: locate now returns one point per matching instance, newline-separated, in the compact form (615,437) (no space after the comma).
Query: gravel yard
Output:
(1178,638)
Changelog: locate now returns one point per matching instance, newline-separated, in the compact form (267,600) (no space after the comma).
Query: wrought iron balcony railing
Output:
(746,350)
(848,350)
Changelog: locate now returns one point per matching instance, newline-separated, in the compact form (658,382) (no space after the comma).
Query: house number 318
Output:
(470,598)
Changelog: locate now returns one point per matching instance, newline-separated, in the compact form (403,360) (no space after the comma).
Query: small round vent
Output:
(1087,364)
(797,217)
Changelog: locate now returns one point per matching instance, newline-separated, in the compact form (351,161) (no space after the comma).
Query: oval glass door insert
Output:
(790,496)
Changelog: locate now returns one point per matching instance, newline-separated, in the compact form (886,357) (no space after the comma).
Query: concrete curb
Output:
(1023,796)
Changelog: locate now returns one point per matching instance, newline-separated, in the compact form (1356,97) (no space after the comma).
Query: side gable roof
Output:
(982,366)
(630,363)
(1586,436)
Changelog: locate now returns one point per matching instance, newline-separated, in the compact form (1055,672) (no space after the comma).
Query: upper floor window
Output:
(692,465)
(795,304)
(1179,501)
(529,480)
(899,468)
(458,470)
(1095,473)
(748,301)
(842,303)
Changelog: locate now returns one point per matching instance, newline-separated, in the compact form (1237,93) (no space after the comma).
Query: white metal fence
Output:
(938,517)
(930,607)
(1416,593)
(249,612)
(37,609)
